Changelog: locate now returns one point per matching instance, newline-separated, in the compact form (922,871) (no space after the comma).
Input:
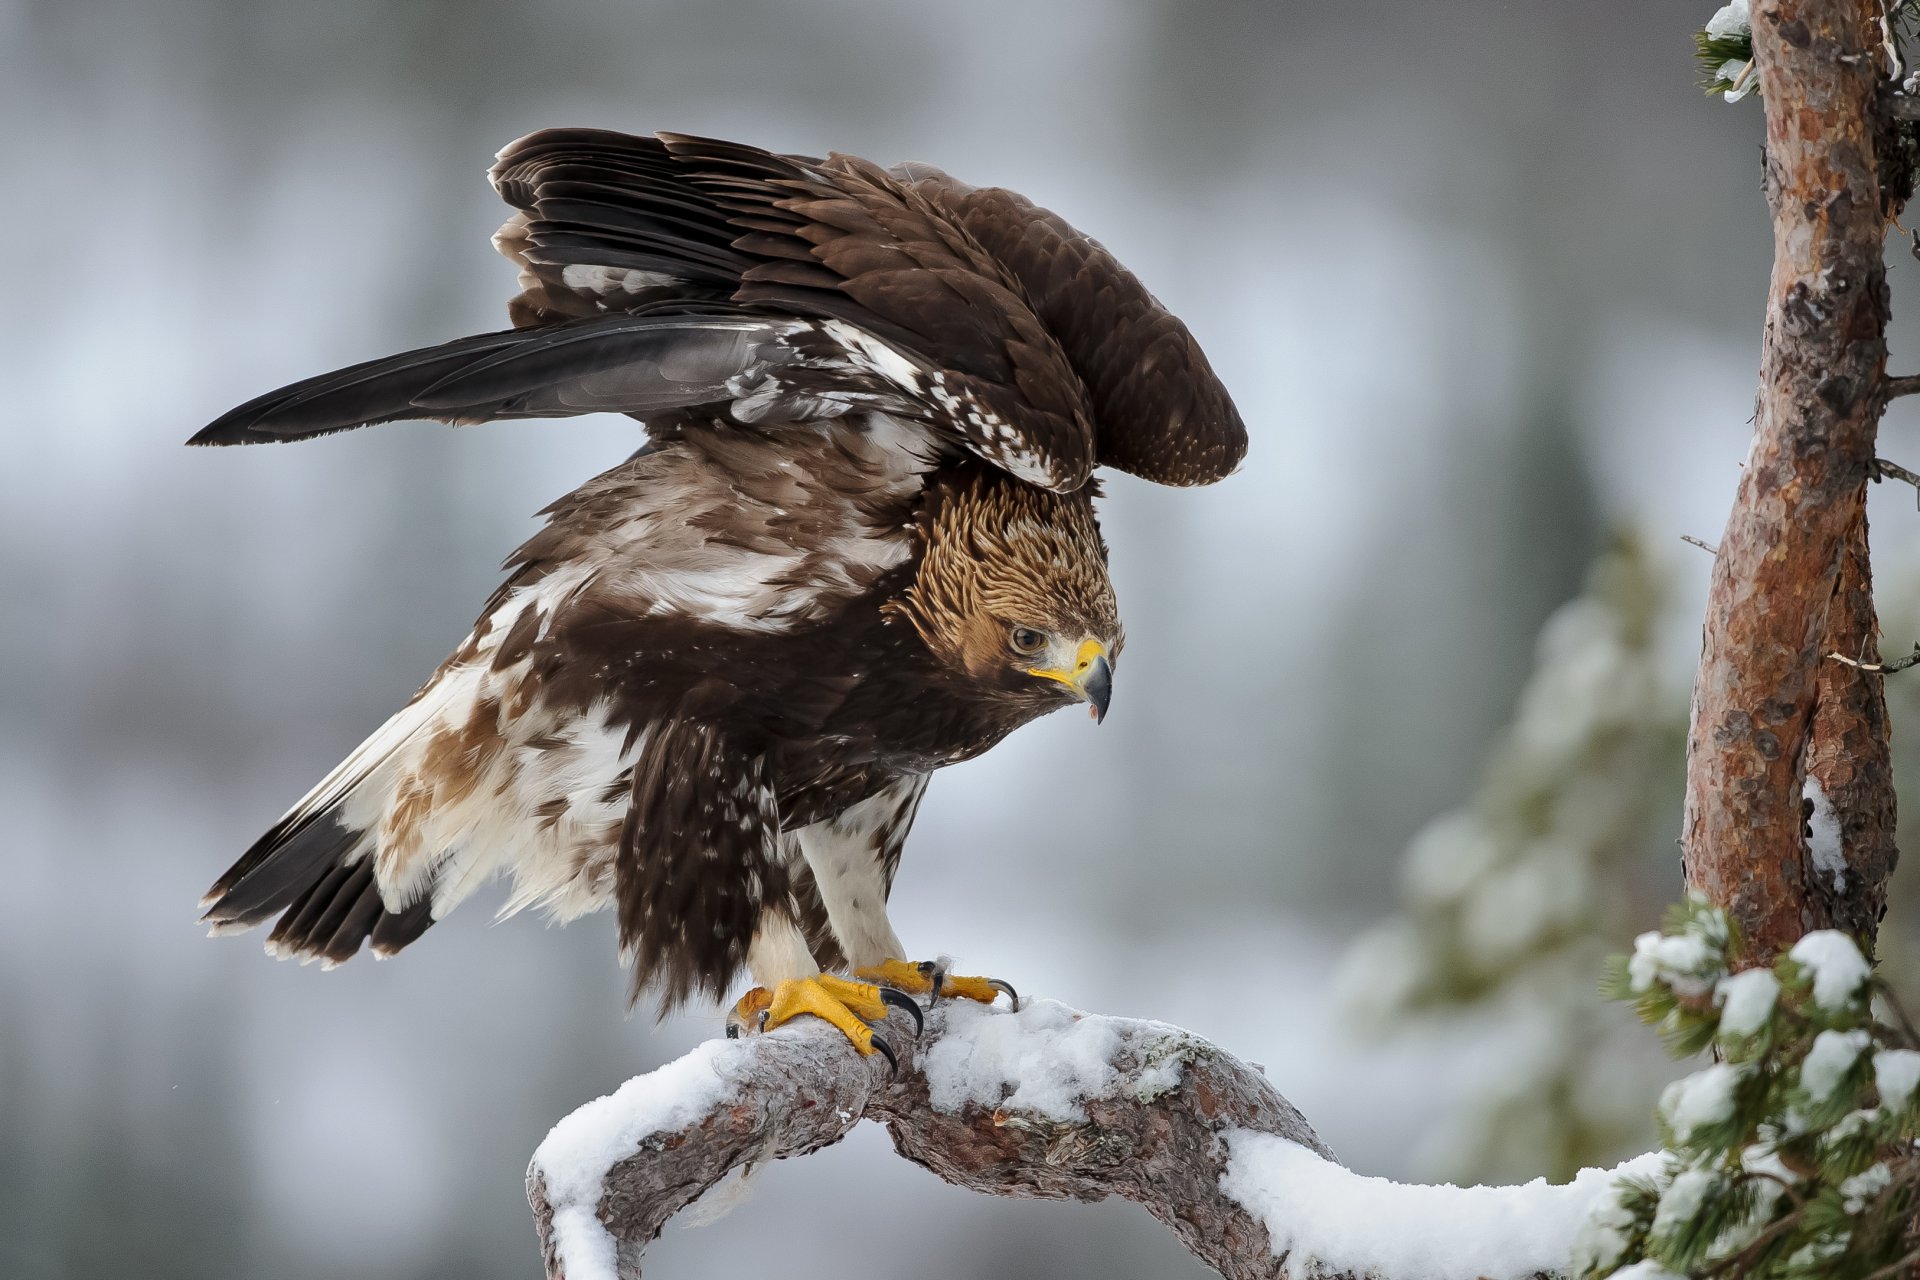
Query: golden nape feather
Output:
(998,553)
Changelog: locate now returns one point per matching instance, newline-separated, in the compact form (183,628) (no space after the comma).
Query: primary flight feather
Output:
(858,545)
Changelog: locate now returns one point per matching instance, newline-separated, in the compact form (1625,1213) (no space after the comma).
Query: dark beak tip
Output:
(1099,688)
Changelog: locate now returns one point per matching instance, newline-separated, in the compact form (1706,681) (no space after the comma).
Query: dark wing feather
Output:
(1159,410)
(769,369)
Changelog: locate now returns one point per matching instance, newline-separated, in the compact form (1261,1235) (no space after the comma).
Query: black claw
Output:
(901,1000)
(886,1051)
(1007,987)
(938,976)
(733,1031)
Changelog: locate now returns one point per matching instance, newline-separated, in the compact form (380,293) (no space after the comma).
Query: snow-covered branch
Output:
(1045,1101)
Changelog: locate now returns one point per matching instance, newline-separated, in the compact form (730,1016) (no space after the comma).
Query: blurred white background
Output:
(1485,278)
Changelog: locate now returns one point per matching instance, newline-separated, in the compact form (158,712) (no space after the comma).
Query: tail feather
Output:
(318,877)
(395,929)
(299,926)
(348,922)
(280,869)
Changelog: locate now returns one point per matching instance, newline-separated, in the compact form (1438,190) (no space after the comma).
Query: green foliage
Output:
(1794,1157)
(1724,50)
(1724,47)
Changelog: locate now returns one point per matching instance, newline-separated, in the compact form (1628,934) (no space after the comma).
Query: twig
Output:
(1879,668)
(1701,543)
(1881,469)
(1885,991)
(1737,1262)
(1893,1268)
(1789,1188)
(1906,384)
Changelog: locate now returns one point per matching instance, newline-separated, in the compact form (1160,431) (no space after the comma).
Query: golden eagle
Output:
(858,545)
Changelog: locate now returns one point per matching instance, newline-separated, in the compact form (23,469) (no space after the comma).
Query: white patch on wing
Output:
(991,436)
(870,355)
(602,281)
(847,855)
(699,543)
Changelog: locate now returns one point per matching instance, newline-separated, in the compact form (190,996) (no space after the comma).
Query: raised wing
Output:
(670,273)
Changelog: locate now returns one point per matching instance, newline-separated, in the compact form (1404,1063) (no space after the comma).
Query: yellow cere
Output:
(1089,651)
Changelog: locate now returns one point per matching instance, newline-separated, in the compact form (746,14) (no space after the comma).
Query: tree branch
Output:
(1045,1102)
(1822,364)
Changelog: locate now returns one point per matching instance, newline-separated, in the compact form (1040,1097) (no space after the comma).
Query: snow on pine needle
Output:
(1791,1158)
(1724,47)
(1724,50)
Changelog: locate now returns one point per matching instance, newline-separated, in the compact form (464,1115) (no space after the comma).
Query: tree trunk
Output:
(1779,601)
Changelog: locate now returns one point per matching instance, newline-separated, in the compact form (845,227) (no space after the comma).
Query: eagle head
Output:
(1011,592)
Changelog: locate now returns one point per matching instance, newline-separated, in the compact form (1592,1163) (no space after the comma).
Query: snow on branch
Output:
(1046,1102)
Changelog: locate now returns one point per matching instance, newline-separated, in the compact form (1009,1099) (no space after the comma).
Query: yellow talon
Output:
(918,979)
(812,995)
(901,975)
(862,999)
(968,988)
(834,1000)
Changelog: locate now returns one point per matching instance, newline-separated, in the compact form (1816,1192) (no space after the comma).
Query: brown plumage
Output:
(859,545)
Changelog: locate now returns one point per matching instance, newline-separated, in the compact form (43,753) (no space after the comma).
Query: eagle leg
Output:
(846,1005)
(930,978)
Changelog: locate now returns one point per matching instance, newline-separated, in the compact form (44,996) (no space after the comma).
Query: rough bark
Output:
(1848,755)
(1157,1132)
(1800,497)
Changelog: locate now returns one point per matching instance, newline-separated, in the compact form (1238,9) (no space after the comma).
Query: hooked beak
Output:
(1091,677)
(1096,686)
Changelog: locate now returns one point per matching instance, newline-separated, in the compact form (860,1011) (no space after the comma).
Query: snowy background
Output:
(1485,278)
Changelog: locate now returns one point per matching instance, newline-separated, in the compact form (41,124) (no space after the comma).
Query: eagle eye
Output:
(1026,641)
